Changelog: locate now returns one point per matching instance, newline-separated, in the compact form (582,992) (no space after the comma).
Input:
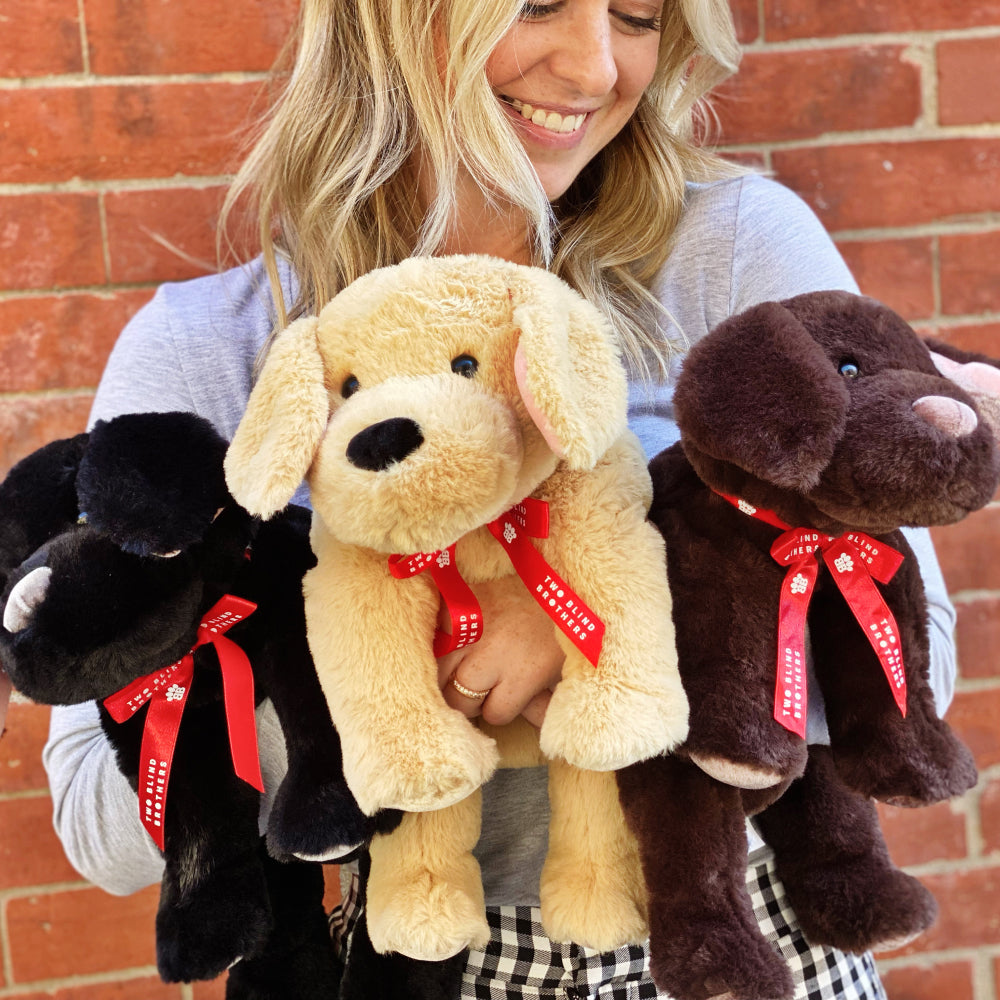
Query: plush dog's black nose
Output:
(378,446)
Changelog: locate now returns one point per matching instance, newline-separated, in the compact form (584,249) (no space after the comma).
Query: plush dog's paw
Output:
(738,775)
(600,725)
(25,596)
(718,958)
(434,765)
(427,915)
(202,932)
(316,822)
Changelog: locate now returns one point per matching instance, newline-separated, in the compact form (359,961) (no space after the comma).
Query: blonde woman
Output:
(561,133)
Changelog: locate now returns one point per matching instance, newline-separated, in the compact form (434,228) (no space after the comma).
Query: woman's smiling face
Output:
(569,75)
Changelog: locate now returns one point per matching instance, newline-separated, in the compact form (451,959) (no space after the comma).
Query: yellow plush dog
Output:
(423,405)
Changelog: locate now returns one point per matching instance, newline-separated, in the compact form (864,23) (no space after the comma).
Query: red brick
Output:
(145,988)
(978,637)
(213,990)
(77,933)
(166,234)
(63,341)
(97,133)
(746,19)
(331,880)
(895,184)
(964,66)
(916,836)
(898,272)
(27,423)
(981,337)
(30,852)
(813,91)
(149,37)
(967,551)
(975,716)
(50,241)
(21,748)
(989,816)
(951,980)
(968,916)
(969,273)
(806,18)
(40,37)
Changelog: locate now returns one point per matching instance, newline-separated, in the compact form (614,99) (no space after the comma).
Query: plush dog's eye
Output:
(350,386)
(465,365)
(849,369)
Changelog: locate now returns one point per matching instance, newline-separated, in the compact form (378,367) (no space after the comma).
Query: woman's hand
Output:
(517,661)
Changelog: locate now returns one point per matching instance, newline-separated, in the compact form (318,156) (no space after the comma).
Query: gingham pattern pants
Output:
(521,963)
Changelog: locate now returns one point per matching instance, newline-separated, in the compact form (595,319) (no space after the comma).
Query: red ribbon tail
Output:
(238,693)
(464,610)
(577,622)
(872,614)
(156,754)
(790,690)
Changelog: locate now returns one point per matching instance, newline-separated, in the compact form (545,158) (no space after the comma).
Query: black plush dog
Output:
(121,552)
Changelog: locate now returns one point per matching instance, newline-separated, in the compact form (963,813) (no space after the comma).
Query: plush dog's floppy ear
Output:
(760,393)
(283,424)
(568,369)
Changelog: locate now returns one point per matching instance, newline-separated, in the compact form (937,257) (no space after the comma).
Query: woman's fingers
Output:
(515,664)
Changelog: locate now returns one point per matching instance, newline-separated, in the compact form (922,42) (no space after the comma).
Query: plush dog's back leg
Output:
(704,939)
(425,894)
(835,867)
(214,906)
(298,961)
(591,887)
(371,976)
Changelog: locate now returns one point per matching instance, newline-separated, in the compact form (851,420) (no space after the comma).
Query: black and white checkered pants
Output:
(521,963)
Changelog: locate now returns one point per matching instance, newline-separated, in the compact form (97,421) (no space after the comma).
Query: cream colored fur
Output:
(553,426)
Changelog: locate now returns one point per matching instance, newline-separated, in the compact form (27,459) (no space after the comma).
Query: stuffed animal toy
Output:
(441,411)
(811,431)
(133,578)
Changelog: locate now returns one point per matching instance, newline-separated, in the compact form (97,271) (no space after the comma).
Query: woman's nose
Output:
(585,57)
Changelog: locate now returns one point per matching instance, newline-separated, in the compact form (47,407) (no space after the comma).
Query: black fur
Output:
(116,608)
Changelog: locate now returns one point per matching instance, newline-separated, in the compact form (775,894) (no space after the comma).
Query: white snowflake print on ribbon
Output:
(844,563)
(747,508)
(508,532)
(799,584)
(444,558)
(174,693)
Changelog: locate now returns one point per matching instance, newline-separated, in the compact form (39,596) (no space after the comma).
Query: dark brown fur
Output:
(766,415)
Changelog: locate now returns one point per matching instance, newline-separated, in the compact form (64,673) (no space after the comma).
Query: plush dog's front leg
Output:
(372,642)
(631,705)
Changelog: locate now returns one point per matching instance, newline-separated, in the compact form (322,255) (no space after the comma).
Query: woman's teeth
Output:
(551,120)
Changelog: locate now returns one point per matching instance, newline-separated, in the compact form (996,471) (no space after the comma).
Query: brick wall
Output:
(118,126)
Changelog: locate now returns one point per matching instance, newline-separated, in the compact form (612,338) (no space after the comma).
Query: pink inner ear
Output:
(973,375)
(538,418)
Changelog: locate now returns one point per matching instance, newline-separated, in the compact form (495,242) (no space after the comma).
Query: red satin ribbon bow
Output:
(853,560)
(167,690)
(529,518)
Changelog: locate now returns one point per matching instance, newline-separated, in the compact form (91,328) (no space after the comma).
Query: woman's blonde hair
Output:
(330,176)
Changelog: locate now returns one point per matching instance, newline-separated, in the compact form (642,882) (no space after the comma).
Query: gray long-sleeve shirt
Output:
(193,347)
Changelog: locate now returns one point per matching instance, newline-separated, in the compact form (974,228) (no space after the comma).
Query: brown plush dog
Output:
(426,401)
(824,413)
